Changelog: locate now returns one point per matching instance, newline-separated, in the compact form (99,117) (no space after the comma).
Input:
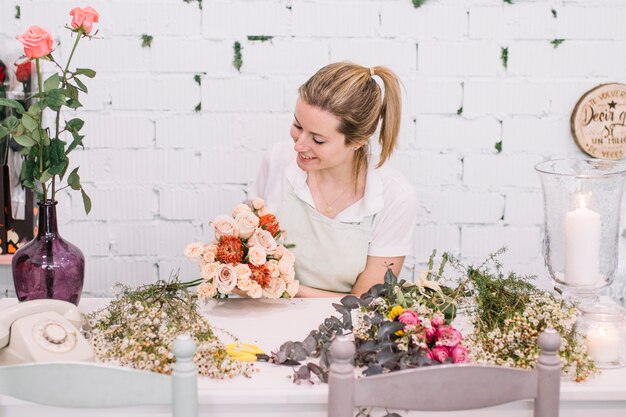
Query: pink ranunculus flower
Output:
(209,270)
(439,354)
(244,283)
(437,320)
(448,336)
(37,42)
(460,354)
(409,318)
(224,226)
(84,18)
(243,271)
(226,278)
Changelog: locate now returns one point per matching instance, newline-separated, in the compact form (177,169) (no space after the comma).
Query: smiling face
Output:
(318,142)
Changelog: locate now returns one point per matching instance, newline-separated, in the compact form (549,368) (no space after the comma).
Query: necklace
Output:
(329,206)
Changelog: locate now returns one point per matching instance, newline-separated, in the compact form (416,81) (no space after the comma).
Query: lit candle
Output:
(603,344)
(582,245)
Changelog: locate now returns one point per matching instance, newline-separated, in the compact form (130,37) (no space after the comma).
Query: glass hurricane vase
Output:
(582,201)
(48,266)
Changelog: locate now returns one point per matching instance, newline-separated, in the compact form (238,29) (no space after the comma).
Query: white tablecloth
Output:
(270,392)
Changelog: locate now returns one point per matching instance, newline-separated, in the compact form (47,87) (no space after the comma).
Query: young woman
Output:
(349,216)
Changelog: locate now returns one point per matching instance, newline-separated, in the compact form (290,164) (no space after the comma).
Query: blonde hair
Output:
(350,93)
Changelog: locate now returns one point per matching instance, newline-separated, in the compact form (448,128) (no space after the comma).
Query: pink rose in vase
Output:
(84,18)
(37,42)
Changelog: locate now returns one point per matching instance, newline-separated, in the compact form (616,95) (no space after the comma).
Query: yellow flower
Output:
(399,333)
(395,312)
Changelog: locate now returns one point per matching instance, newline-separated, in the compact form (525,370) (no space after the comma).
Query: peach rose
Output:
(255,291)
(226,278)
(247,222)
(206,290)
(37,42)
(209,270)
(264,239)
(289,277)
(244,284)
(285,265)
(280,252)
(194,250)
(243,271)
(258,203)
(84,18)
(275,289)
(257,255)
(240,208)
(224,226)
(272,265)
(292,288)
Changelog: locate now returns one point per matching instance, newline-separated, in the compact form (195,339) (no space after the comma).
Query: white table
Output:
(270,392)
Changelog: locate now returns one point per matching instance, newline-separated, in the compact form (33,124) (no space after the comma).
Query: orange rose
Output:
(37,42)
(84,18)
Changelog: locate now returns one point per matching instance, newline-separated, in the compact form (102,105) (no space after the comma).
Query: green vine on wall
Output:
(460,111)
(18,11)
(146,41)
(553,13)
(237,58)
(557,42)
(199,2)
(508,1)
(260,38)
(418,3)
(504,56)
(498,146)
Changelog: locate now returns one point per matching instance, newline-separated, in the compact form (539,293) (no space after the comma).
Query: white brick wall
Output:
(157,170)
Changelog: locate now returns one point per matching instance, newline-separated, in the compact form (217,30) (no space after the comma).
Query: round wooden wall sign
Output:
(599,121)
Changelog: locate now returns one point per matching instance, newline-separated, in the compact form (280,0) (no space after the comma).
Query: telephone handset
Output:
(42,331)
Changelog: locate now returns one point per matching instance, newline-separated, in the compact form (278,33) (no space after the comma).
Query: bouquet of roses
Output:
(248,255)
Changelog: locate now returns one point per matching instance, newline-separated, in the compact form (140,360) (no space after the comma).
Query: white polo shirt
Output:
(388,196)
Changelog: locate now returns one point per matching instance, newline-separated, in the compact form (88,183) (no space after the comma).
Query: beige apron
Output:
(329,254)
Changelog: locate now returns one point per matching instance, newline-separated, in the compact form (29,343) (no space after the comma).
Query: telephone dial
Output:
(42,331)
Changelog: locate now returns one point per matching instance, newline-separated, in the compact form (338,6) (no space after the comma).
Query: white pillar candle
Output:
(603,343)
(582,245)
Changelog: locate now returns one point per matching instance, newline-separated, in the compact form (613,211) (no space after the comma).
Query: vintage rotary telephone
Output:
(42,331)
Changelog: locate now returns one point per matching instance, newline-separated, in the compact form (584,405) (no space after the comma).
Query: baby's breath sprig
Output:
(138,328)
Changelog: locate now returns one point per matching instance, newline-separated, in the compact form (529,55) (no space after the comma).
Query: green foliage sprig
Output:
(504,56)
(146,40)
(498,146)
(557,42)
(418,3)
(18,11)
(237,57)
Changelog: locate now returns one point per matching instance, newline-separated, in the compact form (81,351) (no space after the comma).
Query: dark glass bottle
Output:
(48,266)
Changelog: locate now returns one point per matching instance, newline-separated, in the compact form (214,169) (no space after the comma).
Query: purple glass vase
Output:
(48,266)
